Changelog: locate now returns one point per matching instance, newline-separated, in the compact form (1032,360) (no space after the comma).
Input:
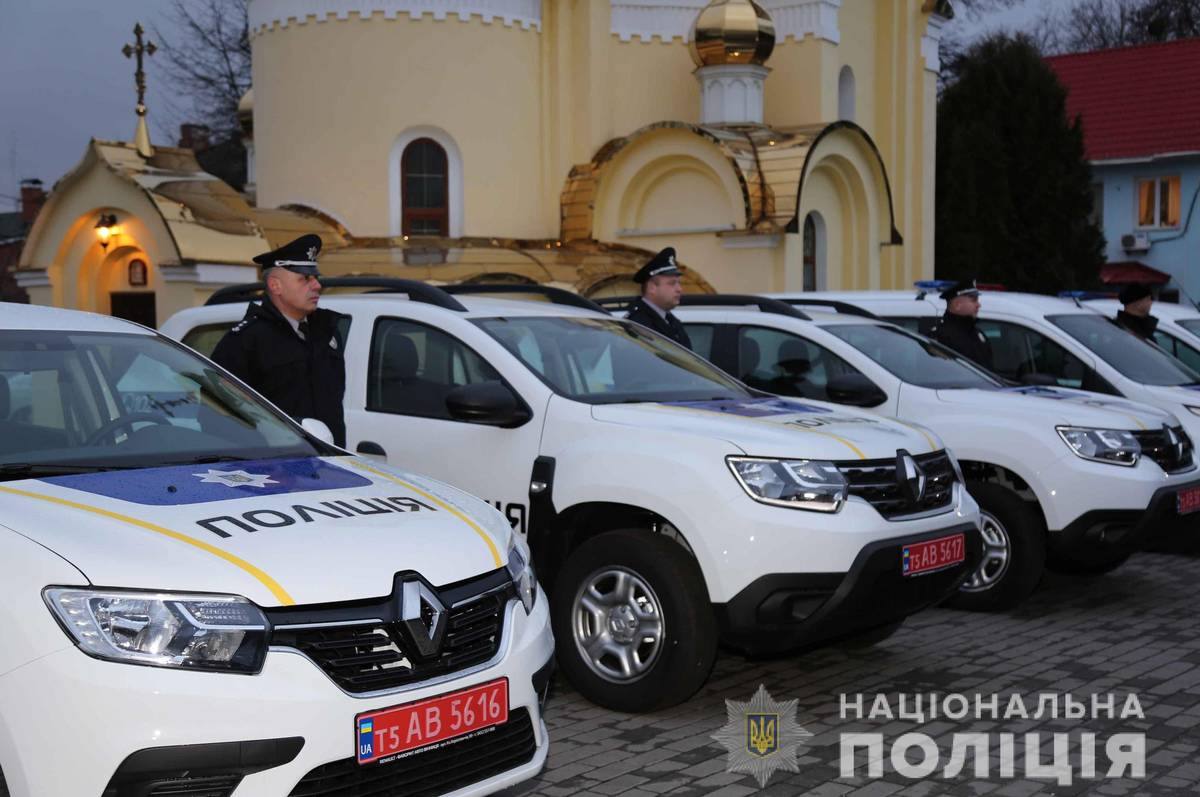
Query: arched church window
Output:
(810,252)
(423,174)
(846,94)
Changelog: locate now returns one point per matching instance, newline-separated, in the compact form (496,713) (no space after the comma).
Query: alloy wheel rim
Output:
(618,625)
(997,555)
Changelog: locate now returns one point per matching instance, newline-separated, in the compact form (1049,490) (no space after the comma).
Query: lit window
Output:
(424,180)
(1158,202)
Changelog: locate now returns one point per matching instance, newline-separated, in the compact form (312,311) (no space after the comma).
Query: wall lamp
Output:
(106,228)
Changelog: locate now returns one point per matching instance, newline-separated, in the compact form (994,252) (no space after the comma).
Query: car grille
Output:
(364,647)
(1155,445)
(212,786)
(436,771)
(875,481)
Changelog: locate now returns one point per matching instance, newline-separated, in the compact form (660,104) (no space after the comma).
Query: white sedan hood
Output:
(775,427)
(1062,406)
(278,532)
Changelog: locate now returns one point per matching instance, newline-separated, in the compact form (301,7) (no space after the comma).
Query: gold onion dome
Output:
(732,32)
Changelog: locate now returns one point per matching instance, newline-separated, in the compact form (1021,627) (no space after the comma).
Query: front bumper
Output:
(71,724)
(1100,534)
(793,611)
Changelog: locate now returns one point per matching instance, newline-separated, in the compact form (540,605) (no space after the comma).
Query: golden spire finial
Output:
(732,32)
(141,138)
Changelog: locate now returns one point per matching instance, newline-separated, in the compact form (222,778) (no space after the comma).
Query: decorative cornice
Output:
(667,20)
(31,277)
(265,14)
(930,42)
(799,18)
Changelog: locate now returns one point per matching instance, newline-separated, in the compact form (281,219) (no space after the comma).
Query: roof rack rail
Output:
(417,291)
(763,303)
(555,295)
(845,308)
(615,304)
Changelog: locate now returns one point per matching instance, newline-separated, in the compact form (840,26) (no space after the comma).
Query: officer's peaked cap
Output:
(299,256)
(661,265)
(961,288)
(1133,292)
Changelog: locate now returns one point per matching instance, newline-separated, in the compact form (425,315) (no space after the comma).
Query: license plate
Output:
(391,732)
(1187,501)
(923,557)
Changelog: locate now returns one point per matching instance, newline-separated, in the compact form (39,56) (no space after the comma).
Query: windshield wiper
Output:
(208,459)
(26,470)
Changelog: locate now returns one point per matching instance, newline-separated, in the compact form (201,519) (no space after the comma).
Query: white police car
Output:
(665,503)
(1178,332)
(1055,471)
(200,598)
(1039,339)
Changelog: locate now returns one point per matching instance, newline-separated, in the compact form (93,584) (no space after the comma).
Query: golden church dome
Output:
(732,32)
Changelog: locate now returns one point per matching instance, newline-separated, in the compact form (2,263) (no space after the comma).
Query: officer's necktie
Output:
(304,329)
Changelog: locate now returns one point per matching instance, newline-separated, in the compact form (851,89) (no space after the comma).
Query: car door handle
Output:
(372,449)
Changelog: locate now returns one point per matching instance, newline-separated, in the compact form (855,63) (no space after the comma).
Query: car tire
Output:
(1014,537)
(615,592)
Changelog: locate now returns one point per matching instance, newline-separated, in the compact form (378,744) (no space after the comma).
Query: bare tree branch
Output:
(207,63)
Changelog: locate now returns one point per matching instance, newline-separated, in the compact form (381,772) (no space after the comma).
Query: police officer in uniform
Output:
(285,347)
(1134,316)
(661,292)
(957,328)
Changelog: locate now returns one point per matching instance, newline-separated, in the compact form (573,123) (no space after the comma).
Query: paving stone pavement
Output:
(1135,630)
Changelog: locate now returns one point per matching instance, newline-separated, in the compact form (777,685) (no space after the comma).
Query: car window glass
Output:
(204,339)
(1177,348)
(125,400)
(911,358)
(1019,352)
(1135,359)
(911,324)
(787,364)
(413,368)
(600,360)
(1190,324)
(701,336)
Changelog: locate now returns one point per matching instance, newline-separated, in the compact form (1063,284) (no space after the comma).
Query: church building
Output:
(776,144)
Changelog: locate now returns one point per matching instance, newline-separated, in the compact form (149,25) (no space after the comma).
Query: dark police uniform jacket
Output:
(304,378)
(647,316)
(960,333)
(1143,327)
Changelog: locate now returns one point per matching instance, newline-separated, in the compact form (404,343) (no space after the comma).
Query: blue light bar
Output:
(934,285)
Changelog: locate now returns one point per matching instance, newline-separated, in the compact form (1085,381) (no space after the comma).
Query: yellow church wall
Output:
(858,50)
(331,99)
(802,86)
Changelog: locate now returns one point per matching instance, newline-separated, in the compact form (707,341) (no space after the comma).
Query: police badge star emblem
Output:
(312,253)
(761,736)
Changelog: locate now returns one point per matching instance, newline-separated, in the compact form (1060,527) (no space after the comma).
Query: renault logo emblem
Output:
(423,616)
(909,477)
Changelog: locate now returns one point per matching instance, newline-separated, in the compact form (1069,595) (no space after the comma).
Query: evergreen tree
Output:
(1013,192)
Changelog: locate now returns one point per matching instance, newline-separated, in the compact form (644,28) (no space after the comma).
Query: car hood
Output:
(1062,406)
(278,532)
(775,427)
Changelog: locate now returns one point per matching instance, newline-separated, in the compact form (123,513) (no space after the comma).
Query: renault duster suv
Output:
(666,504)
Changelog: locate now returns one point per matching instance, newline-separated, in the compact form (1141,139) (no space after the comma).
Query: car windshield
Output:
(607,361)
(1135,359)
(79,401)
(913,359)
(1190,324)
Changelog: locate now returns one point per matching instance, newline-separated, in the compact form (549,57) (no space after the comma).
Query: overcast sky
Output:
(63,80)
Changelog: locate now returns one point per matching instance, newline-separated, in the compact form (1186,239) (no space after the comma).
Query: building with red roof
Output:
(1140,108)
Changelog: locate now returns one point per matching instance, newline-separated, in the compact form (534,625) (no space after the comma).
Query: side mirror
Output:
(487,403)
(1046,380)
(317,429)
(855,390)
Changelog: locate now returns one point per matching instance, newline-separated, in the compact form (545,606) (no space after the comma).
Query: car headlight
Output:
(522,575)
(1192,410)
(795,483)
(1113,446)
(202,632)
